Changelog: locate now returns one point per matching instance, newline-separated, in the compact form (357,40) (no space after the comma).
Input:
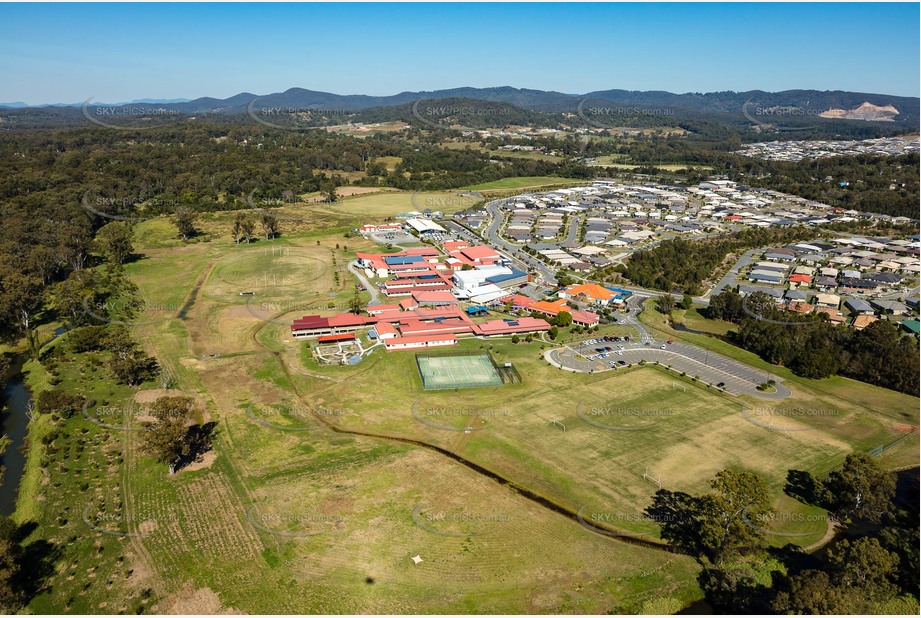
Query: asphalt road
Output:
(529,262)
(372,289)
(712,368)
(729,279)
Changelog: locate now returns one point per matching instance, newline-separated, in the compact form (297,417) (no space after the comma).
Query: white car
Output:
(662,347)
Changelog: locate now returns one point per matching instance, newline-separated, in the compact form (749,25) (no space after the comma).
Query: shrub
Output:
(87,339)
(59,401)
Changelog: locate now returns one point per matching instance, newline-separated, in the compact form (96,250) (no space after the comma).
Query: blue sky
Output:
(119,52)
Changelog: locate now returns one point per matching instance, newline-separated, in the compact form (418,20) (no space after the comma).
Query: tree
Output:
(859,489)
(355,304)
(12,595)
(553,333)
(165,436)
(269,225)
(237,230)
(21,298)
(734,588)
(665,304)
(185,222)
(247,227)
(676,514)
(563,319)
(130,365)
(686,302)
(865,565)
(329,192)
(72,297)
(813,592)
(729,516)
(712,524)
(115,241)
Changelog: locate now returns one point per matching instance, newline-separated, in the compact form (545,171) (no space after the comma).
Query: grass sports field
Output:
(325,481)
(467,371)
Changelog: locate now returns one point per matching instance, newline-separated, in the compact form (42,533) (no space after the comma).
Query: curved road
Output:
(712,368)
(372,289)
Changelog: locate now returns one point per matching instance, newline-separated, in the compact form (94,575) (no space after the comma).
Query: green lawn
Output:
(293,514)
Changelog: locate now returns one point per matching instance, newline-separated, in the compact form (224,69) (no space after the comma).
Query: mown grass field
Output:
(290,513)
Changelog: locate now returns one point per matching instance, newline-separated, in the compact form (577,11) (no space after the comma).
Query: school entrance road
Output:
(712,368)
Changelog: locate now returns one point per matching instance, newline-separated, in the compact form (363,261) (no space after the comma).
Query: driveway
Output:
(372,289)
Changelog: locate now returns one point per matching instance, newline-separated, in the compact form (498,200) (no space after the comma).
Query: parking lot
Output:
(394,238)
(736,378)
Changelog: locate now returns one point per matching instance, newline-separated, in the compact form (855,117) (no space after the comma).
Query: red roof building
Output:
(336,338)
(408,343)
(376,309)
(509,327)
(385,330)
(585,318)
(434,298)
(518,301)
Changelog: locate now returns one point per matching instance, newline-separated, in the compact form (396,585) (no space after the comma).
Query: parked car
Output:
(669,342)
(721,385)
(621,362)
(662,347)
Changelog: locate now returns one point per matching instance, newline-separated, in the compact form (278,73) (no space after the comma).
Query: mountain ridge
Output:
(530,99)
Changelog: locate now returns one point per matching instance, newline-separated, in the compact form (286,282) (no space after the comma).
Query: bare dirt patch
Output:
(192,601)
(201,463)
(146,397)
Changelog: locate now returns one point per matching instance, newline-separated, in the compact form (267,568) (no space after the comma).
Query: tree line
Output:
(680,265)
(726,529)
(812,347)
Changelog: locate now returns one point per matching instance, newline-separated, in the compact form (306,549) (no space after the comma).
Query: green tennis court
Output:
(440,372)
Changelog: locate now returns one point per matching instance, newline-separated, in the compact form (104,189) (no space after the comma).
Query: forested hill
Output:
(755,108)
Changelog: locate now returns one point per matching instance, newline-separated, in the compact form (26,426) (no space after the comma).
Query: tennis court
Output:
(440,372)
